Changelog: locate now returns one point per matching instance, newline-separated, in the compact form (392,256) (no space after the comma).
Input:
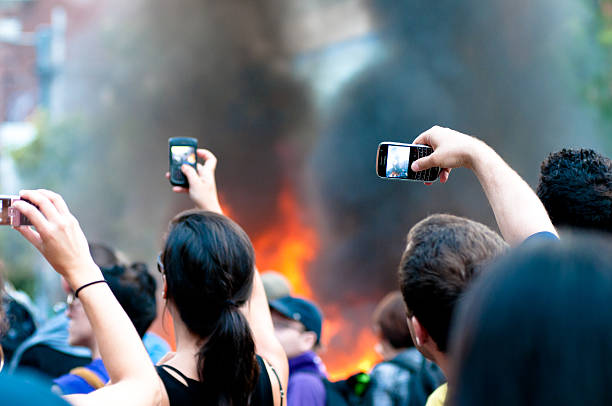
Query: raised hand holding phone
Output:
(452,149)
(57,236)
(202,185)
(518,211)
(61,241)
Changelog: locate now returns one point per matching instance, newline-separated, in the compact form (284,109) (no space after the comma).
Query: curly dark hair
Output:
(576,188)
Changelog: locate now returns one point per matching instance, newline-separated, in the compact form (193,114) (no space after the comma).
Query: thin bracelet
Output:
(76,294)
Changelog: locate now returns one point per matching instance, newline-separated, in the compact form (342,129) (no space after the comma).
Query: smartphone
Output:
(10,216)
(182,151)
(394,159)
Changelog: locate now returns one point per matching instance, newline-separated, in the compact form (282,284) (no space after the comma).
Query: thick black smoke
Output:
(508,72)
(214,70)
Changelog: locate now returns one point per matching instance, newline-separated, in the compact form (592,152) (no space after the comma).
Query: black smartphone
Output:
(394,159)
(10,216)
(182,151)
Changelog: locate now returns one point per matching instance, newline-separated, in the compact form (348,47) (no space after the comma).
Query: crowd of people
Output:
(478,318)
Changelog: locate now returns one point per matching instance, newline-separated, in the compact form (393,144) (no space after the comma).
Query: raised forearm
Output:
(123,353)
(518,210)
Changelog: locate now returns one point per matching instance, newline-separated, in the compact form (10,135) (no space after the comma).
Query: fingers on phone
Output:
(57,201)
(210,160)
(190,173)
(32,213)
(44,205)
(179,189)
(444,174)
(425,137)
(424,163)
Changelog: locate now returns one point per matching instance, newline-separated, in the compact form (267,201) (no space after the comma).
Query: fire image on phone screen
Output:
(183,154)
(398,159)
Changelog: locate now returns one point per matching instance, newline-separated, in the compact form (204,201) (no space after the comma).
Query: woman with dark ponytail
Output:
(226,351)
(208,268)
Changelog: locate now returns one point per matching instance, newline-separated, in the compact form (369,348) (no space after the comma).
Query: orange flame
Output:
(288,247)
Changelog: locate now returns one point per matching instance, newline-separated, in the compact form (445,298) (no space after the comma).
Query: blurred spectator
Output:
(576,188)
(19,318)
(276,285)
(297,324)
(25,390)
(444,253)
(442,256)
(47,351)
(405,377)
(134,288)
(537,329)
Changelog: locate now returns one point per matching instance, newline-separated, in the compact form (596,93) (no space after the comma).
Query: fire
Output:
(288,247)
(347,349)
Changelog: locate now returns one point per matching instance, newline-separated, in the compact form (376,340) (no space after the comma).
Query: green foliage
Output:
(50,160)
(599,90)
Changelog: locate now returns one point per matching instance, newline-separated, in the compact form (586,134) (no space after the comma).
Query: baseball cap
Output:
(300,310)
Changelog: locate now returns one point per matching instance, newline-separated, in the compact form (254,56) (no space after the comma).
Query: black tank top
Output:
(193,394)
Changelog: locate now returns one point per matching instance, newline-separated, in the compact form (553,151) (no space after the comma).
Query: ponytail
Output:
(226,362)
(209,266)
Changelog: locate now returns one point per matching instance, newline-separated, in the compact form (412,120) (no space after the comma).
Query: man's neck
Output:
(441,359)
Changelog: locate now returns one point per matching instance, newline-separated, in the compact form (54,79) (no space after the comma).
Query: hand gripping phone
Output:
(10,216)
(182,151)
(394,159)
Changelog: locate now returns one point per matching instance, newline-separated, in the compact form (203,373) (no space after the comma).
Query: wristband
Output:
(76,293)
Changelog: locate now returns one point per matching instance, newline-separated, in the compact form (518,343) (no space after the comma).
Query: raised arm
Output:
(203,192)
(202,186)
(60,240)
(518,211)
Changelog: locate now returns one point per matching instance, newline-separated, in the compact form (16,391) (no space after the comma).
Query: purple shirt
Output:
(306,387)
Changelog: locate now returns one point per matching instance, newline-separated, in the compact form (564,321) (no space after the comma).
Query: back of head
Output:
(209,266)
(103,255)
(134,288)
(537,328)
(390,319)
(441,258)
(576,188)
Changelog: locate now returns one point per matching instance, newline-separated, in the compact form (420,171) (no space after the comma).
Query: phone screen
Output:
(394,161)
(398,161)
(183,154)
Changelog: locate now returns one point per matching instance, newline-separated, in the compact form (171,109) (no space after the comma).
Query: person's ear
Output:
(308,340)
(165,288)
(421,336)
